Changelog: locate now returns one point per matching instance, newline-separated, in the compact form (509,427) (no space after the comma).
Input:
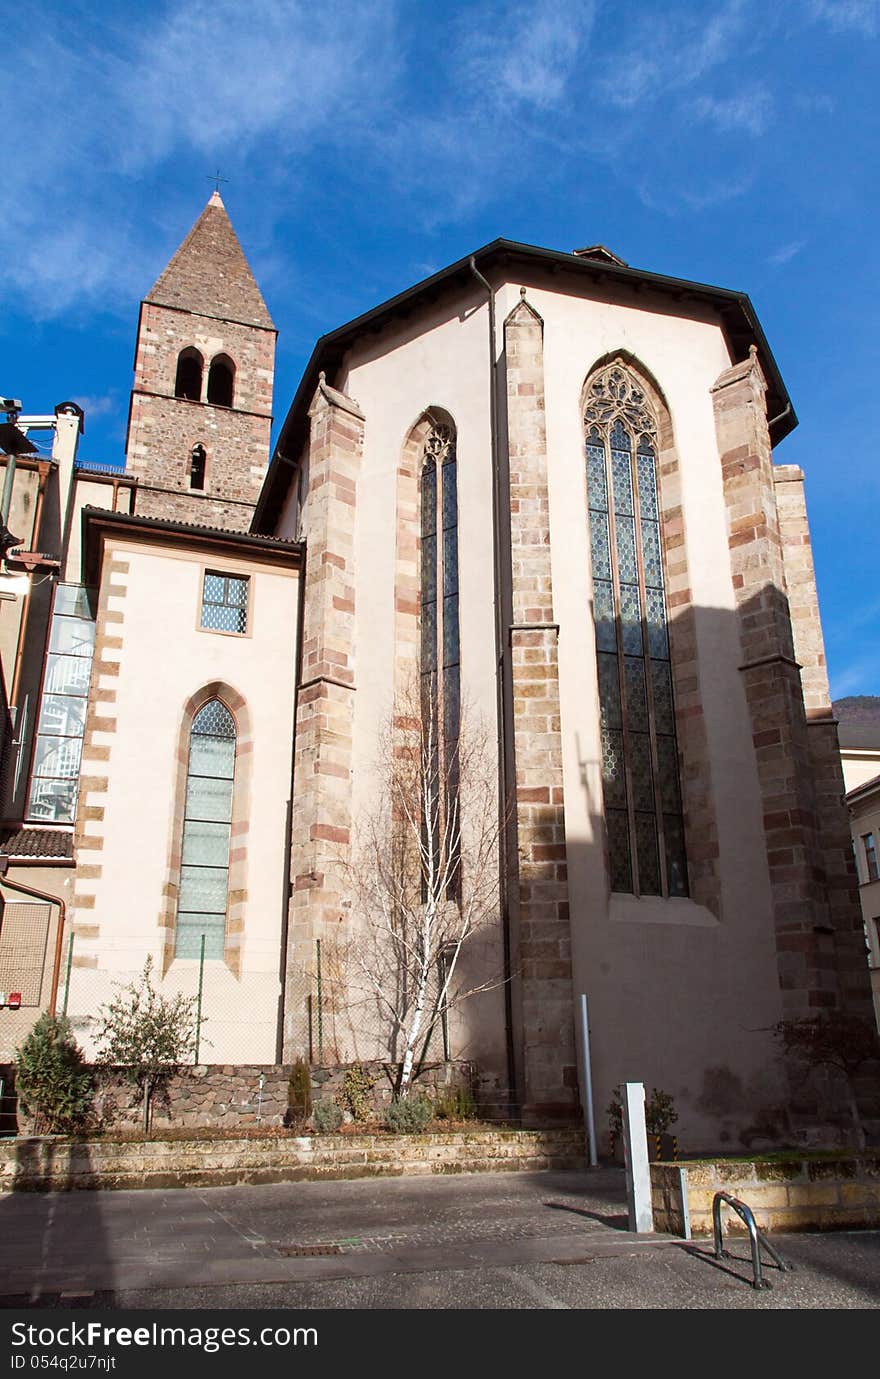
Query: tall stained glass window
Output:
(440,655)
(63,705)
(643,813)
(204,869)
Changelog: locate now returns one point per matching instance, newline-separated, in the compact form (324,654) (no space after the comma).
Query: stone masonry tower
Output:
(201,405)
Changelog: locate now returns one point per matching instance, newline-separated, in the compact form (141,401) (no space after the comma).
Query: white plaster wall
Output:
(673,990)
(164,660)
(858,766)
(680,998)
(88,491)
(394,380)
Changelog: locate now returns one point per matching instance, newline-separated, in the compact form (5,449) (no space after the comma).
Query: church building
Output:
(539,486)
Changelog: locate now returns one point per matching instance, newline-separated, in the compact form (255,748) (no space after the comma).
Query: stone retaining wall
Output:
(227,1096)
(53,1163)
(797,1194)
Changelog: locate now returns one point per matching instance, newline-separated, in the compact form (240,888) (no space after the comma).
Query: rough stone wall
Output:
(771,675)
(838,864)
(163,428)
(544,935)
(321,818)
(209,273)
(229,1097)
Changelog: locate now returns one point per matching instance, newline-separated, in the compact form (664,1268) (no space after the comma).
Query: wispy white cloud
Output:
(435,116)
(118,100)
(503,81)
(101,405)
(524,53)
(849,16)
(693,193)
(672,51)
(815,102)
(748,112)
(210,72)
(786,252)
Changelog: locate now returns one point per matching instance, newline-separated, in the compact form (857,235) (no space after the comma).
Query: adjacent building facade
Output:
(541,487)
(860,753)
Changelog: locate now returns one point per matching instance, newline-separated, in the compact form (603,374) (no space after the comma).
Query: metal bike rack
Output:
(744,1211)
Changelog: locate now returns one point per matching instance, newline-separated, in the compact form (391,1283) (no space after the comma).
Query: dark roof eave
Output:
(863,791)
(99,521)
(330,348)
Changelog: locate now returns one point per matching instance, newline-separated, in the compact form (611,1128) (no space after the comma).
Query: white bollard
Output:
(635,1154)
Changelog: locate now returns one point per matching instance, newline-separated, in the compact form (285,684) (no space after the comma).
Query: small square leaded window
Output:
(224,602)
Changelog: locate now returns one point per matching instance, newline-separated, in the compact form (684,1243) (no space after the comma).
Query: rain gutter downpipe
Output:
(500,652)
(287,885)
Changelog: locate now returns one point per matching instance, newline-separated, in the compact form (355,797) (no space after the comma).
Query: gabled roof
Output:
(863,791)
(98,523)
(502,256)
(210,276)
(44,843)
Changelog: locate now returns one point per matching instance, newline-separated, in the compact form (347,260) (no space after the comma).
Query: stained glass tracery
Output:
(640,777)
(440,636)
(204,872)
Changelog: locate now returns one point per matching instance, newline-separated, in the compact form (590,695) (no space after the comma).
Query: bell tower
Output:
(201,405)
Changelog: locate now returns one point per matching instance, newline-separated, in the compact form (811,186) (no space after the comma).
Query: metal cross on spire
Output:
(216,179)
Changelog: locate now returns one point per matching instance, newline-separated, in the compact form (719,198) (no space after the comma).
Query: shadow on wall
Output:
(685,993)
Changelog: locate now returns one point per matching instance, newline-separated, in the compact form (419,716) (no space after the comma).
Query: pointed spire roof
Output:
(209,274)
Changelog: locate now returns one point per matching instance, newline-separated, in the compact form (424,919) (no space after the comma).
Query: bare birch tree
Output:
(424,875)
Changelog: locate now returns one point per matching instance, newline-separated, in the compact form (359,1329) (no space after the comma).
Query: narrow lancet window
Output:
(204,869)
(643,812)
(198,460)
(440,655)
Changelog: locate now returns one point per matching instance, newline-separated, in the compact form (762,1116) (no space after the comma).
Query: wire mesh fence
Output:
(24,937)
(331,1008)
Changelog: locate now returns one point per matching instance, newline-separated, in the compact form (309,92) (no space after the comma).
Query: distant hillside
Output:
(857,708)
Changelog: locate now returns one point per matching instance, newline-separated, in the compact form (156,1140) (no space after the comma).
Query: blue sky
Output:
(369,143)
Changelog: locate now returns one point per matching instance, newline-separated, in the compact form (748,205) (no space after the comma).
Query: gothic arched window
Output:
(204,865)
(440,656)
(643,813)
(221,376)
(188,379)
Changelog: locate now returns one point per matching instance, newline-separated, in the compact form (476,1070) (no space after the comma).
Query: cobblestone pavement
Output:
(516,1240)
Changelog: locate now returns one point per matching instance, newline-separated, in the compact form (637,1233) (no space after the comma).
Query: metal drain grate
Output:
(302,1251)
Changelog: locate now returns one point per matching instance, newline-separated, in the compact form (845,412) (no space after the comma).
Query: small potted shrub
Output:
(299,1096)
(660,1116)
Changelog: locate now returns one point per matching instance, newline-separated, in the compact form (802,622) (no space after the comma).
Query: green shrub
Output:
(614,1112)
(53,1083)
(660,1113)
(456,1103)
(410,1116)
(327,1117)
(299,1095)
(146,1034)
(354,1096)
